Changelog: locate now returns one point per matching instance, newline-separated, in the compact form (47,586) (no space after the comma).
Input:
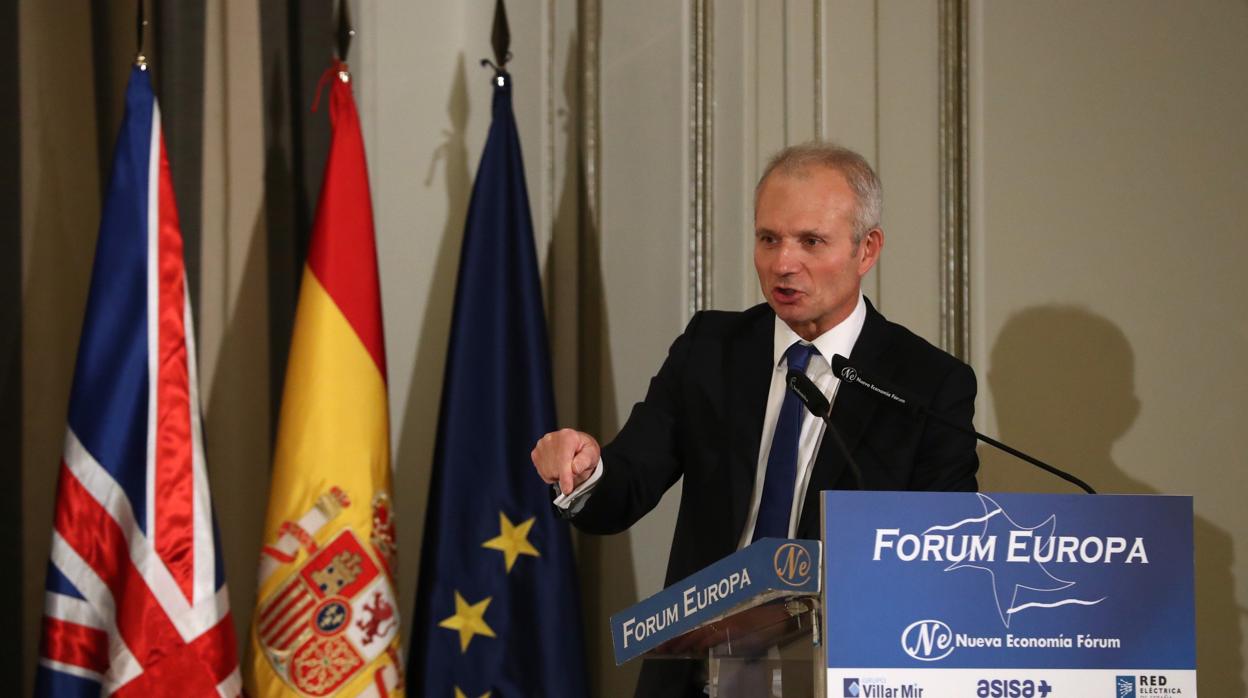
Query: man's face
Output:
(808,266)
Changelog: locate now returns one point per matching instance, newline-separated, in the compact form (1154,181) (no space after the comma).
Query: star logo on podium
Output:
(1008,578)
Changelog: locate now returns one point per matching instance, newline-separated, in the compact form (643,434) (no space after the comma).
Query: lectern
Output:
(754,616)
(924,595)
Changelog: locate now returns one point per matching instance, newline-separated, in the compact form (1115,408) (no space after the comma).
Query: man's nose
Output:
(785,260)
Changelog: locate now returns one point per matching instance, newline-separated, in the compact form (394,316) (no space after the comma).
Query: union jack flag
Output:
(136,601)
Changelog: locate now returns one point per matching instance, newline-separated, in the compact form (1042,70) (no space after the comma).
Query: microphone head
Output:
(808,393)
(843,370)
(849,374)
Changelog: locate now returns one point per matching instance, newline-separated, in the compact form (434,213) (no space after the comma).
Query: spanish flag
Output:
(326,620)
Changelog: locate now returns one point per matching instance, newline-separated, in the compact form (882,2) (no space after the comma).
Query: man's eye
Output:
(811,241)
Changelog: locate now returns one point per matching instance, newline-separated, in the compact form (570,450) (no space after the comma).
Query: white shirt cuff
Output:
(577,498)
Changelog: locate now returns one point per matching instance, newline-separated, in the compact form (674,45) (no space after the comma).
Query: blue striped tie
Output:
(776,506)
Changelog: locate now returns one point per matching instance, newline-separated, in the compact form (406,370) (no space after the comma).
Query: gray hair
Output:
(798,159)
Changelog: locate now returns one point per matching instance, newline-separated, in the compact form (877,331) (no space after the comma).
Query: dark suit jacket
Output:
(702,419)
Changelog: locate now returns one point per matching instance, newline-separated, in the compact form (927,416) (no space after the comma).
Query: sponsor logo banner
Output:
(868,682)
(1009,581)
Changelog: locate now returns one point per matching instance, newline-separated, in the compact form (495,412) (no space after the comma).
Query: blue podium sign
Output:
(1008,595)
(768,569)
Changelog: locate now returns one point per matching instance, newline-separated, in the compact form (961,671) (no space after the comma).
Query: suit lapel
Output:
(749,368)
(852,411)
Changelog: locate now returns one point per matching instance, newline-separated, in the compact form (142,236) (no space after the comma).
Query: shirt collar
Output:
(838,340)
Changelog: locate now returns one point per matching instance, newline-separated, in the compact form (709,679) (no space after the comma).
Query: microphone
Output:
(813,399)
(848,373)
(809,394)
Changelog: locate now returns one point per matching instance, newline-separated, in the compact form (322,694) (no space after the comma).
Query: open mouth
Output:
(784,294)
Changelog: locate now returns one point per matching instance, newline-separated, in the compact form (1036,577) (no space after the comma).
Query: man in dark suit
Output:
(717,413)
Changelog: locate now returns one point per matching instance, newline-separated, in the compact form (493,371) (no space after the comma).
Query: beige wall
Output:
(1109,209)
(1110,159)
(233,321)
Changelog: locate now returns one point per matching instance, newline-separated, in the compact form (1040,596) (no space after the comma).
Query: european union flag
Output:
(497,608)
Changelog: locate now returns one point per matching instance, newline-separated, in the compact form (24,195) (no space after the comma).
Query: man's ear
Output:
(869,250)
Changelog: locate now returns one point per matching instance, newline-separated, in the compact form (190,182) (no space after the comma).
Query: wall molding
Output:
(550,125)
(820,38)
(588,19)
(701,156)
(953,139)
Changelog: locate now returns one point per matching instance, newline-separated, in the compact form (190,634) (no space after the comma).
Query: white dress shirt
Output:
(838,340)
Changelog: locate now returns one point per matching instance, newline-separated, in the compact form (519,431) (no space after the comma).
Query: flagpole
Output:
(346,32)
(500,41)
(140,60)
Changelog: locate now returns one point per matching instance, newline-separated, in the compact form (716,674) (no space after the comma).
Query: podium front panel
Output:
(769,571)
(965,594)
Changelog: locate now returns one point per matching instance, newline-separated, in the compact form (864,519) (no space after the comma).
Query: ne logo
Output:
(793,564)
(849,374)
(927,640)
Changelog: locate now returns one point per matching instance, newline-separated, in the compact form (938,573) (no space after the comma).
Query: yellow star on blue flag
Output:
(469,620)
(512,541)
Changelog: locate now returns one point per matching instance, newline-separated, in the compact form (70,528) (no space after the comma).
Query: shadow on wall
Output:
(237,430)
(64,217)
(297,39)
(605,564)
(282,235)
(1062,381)
(413,459)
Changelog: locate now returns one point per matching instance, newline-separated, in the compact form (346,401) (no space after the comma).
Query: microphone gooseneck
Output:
(813,399)
(849,373)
